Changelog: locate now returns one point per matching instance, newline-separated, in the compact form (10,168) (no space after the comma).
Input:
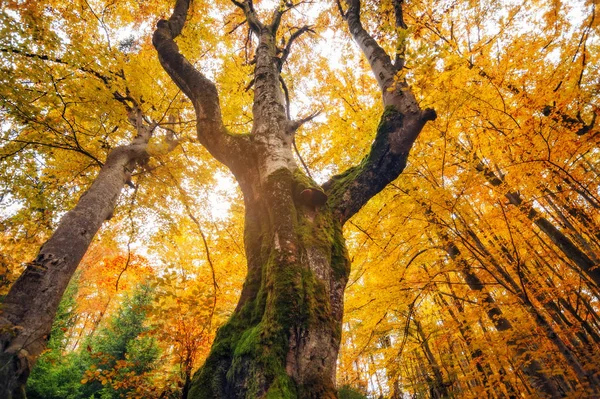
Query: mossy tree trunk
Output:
(283,338)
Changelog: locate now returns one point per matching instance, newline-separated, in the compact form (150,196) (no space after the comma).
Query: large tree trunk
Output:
(29,308)
(283,339)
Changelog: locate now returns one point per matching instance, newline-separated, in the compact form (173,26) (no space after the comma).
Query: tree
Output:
(30,305)
(283,339)
(121,353)
(41,124)
(56,375)
(111,363)
(517,96)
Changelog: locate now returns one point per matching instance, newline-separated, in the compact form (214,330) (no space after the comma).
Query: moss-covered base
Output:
(283,339)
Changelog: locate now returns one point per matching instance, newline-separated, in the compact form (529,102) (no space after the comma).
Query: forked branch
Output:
(288,46)
(253,22)
(284,6)
(398,128)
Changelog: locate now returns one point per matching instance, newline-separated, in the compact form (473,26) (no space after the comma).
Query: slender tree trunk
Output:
(438,388)
(531,367)
(564,243)
(583,242)
(585,378)
(476,355)
(187,383)
(578,214)
(29,307)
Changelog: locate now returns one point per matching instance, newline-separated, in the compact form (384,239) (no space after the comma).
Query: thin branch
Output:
(400,27)
(130,240)
(57,60)
(237,26)
(101,22)
(286,94)
(516,255)
(340,9)
(295,125)
(294,36)
(365,233)
(197,87)
(184,199)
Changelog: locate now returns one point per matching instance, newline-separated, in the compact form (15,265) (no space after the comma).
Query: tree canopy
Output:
(473,273)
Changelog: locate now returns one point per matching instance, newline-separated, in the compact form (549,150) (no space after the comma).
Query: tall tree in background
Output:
(47,126)
(30,305)
(283,339)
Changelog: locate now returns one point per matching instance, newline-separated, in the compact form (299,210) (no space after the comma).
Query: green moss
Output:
(390,121)
(302,182)
(282,388)
(286,296)
(347,392)
(281,177)
(247,343)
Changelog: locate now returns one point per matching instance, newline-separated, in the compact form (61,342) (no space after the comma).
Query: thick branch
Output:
(199,89)
(379,60)
(400,24)
(352,189)
(295,125)
(277,14)
(398,129)
(255,24)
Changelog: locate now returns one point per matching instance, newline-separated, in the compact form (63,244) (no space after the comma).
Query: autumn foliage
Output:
(474,274)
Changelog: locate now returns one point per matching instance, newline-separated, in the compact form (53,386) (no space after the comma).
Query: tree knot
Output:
(428,114)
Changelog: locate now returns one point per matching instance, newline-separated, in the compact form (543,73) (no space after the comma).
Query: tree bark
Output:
(30,306)
(437,387)
(283,339)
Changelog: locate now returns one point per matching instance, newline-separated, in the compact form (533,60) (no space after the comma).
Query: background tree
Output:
(53,126)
